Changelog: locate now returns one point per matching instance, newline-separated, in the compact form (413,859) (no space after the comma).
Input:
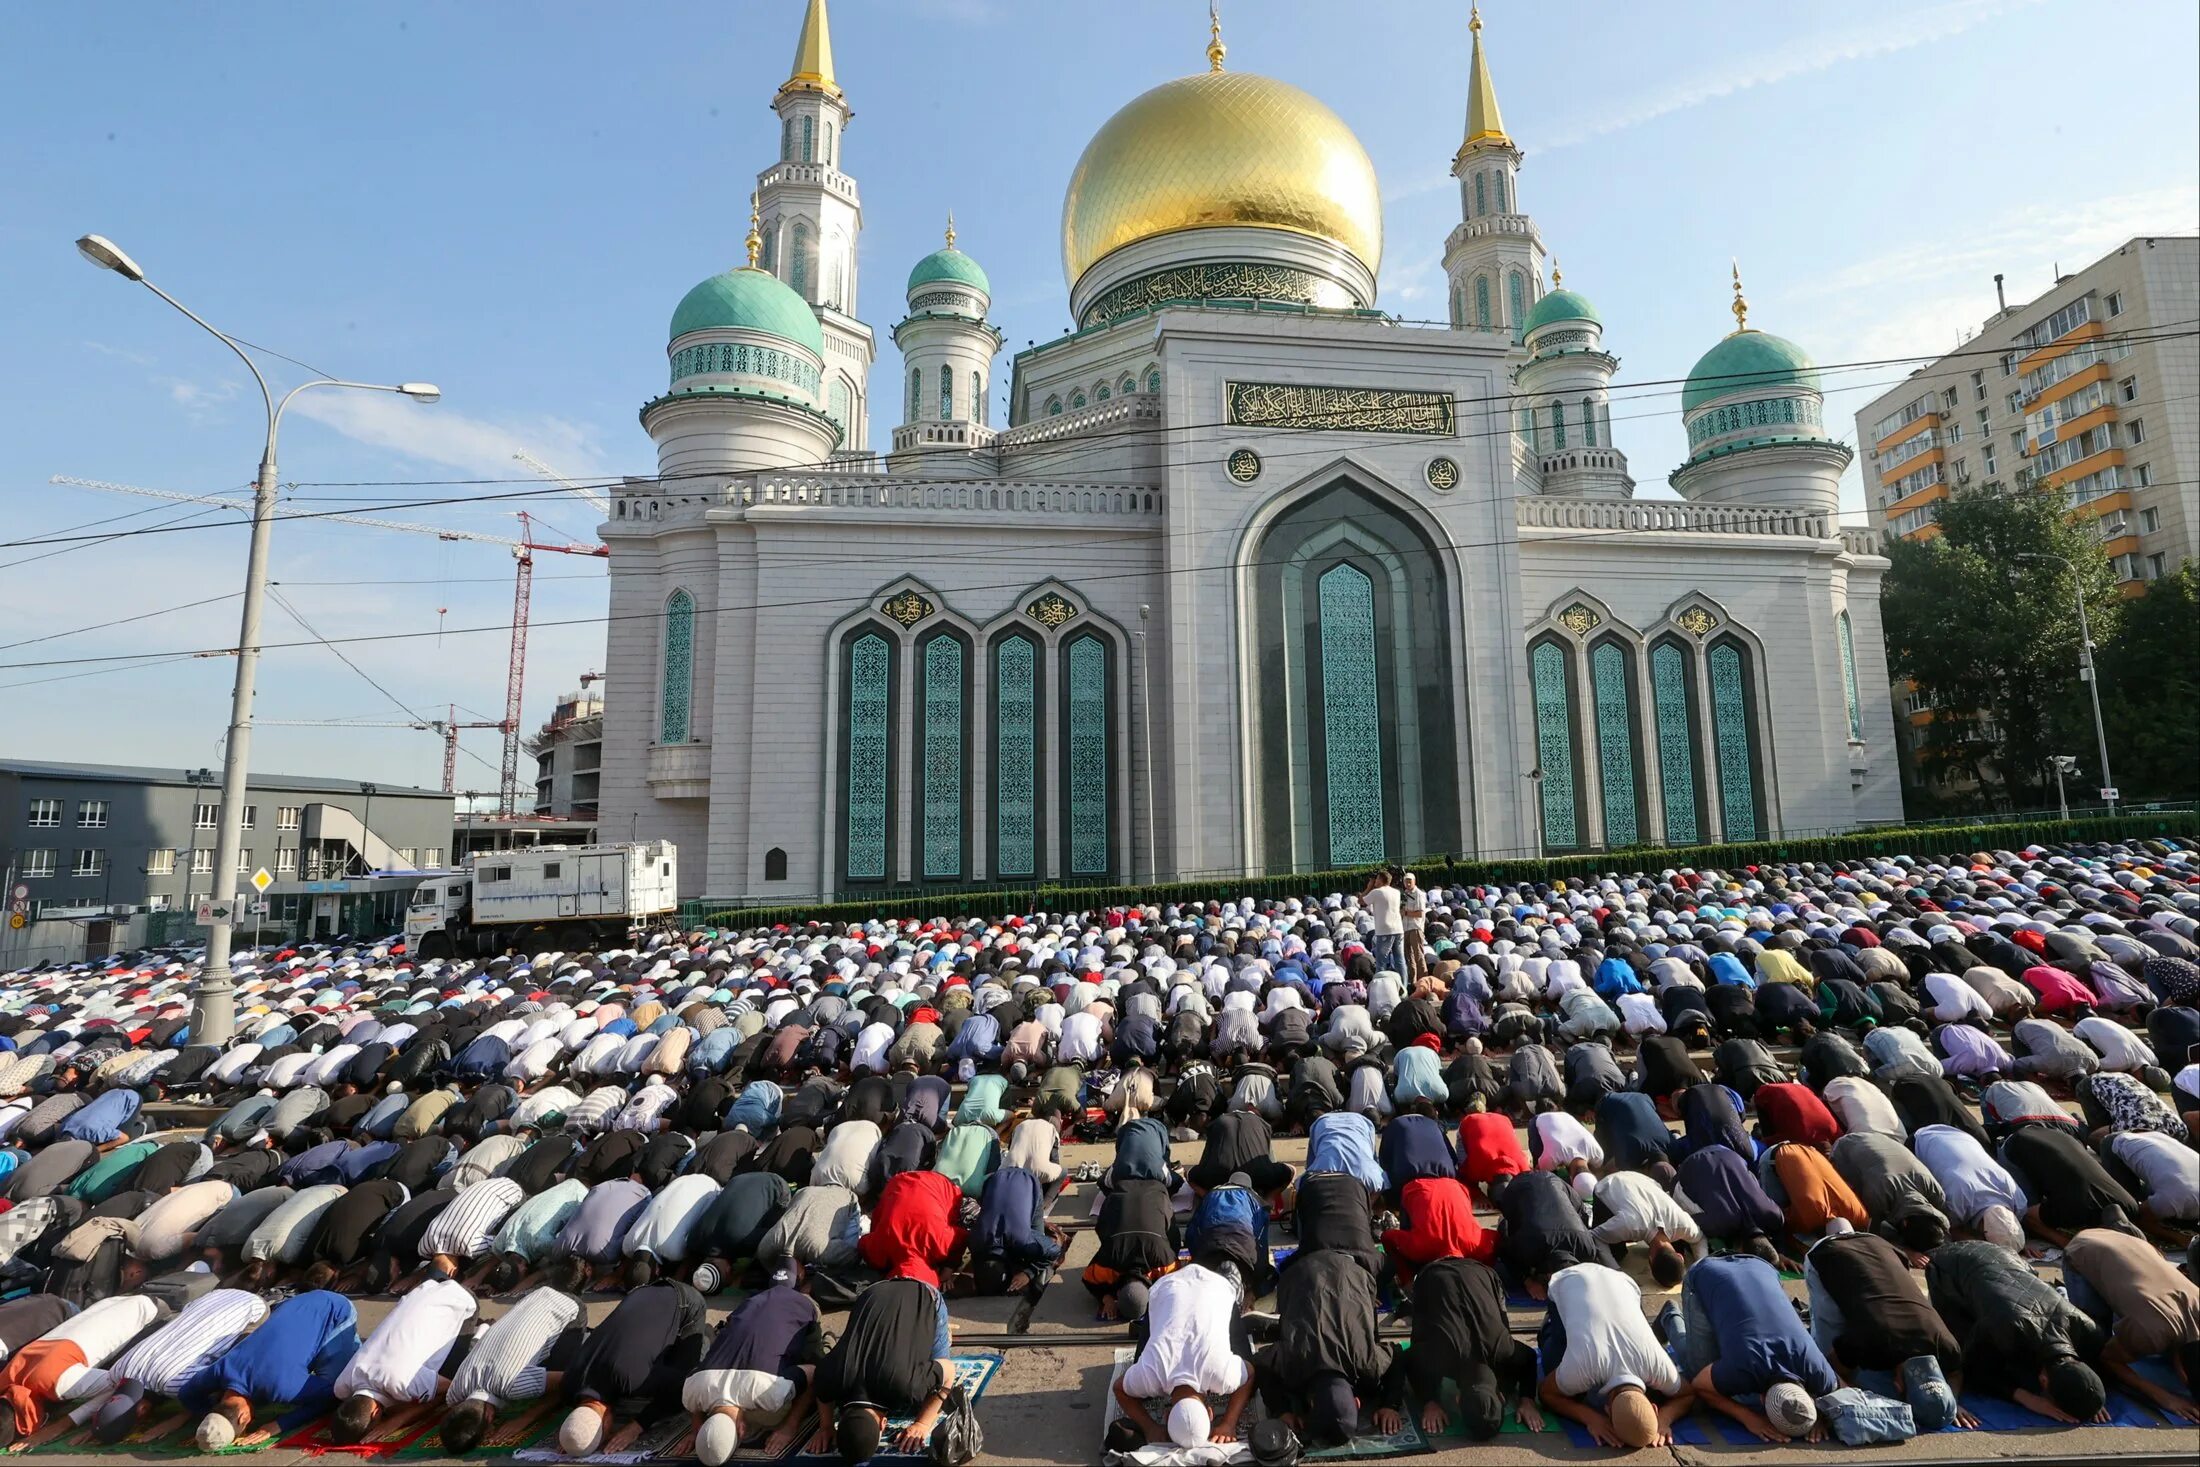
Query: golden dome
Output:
(1217,149)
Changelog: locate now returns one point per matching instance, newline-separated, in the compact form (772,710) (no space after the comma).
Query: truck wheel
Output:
(435,945)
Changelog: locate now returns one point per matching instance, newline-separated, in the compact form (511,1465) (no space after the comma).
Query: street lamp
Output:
(2085,670)
(213,1018)
(2065,767)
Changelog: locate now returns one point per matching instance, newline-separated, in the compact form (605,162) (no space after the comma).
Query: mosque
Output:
(1254,577)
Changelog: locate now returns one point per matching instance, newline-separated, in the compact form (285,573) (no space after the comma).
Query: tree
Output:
(1988,635)
(2150,690)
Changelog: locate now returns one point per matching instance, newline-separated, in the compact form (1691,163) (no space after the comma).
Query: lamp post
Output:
(2086,670)
(213,1018)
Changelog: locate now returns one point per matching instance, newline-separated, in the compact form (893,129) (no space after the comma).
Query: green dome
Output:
(1560,305)
(749,300)
(1745,361)
(949,264)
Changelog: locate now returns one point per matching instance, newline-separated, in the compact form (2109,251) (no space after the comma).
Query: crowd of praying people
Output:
(1934,1089)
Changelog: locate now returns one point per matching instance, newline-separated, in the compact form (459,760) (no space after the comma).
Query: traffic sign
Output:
(260,908)
(261,881)
(210,912)
(18,920)
(21,892)
(2110,792)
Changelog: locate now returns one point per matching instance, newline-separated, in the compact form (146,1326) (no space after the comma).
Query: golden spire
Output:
(1484,124)
(1555,276)
(950,228)
(1740,306)
(1215,49)
(755,240)
(813,56)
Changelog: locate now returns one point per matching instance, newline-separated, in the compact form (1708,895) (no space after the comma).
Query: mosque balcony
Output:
(1863,542)
(1128,411)
(679,771)
(1552,517)
(807,175)
(943,437)
(988,502)
(1517,226)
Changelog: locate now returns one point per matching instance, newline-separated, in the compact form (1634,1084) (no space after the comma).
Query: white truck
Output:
(565,897)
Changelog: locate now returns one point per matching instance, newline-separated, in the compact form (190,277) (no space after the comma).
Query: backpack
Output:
(956,1437)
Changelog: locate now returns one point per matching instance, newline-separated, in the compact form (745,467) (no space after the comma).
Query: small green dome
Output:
(1745,361)
(749,300)
(1560,305)
(949,264)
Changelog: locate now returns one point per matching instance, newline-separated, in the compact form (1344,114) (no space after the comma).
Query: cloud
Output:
(201,401)
(435,434)
(135,358)
(1882,36)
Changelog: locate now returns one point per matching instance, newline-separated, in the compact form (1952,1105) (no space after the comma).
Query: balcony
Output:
(679,771)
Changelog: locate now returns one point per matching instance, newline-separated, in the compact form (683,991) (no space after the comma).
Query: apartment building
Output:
(568,753)
(2090,392)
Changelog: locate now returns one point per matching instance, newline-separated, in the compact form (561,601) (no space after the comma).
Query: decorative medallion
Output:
(1443,474)
(1579,619)
(1244,465)
(1051,610)
(908,608)
(1342,409)
(1696,621)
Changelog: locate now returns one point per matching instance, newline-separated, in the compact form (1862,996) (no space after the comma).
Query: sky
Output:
(508,200)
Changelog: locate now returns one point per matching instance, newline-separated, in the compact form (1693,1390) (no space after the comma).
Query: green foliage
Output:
(2150,690)
(1912,840)
(1989,637)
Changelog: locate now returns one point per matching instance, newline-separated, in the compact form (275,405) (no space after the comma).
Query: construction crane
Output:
(543,470)
(515,677)
(445,728)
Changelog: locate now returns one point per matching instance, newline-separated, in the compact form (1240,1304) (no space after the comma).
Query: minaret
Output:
(947,350)
(1563,397)
(1494,258)
(812,219)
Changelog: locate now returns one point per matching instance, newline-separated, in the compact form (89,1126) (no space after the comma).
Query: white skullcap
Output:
(1190,1423)
(580,1433)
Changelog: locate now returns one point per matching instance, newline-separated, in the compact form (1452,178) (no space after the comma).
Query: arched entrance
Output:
(1356,757)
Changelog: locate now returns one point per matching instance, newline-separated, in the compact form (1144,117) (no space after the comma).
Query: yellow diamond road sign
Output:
(261,881)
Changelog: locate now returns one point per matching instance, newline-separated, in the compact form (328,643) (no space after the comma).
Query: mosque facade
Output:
(1253,578)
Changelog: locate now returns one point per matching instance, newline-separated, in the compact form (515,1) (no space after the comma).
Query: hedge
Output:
(1910,840)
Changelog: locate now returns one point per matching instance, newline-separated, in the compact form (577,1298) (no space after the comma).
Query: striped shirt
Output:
(595,1112)
(465,1228)
(506,1363)
(533,1108)
(170,1356)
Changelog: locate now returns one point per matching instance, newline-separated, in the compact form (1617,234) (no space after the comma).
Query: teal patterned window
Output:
(1611,689)
(1482,301)
(979,407)
(1554,743)
(828,158)
(1016,757)
(947,393)
(1731,738)
(771,246)
(786,141)
(679,669)
(838,408)
(1673,694)
(1086,775)
(1100,392)
(809,140)
(1054,407)
(798,269)
(1352,732)
(1076,400)
(1516,296)
(1845,635)
(1500,190)
(1481,197)
(943,758)
(1458,308)
(1588,423)
(1558,426)
(870,751)
(1153,379)
(916,393)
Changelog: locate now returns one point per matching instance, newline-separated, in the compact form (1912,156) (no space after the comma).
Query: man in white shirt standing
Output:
(1386,913)
(401,1363)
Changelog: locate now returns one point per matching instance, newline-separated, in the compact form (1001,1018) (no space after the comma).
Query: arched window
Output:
(1153,379)
(837,407)
(1054,407)
(1458,307)
(1499,176)
(1482,302)
(1528,430)
(1100,392)
(1088,698)
(1076,400)
(786,141)
(1588,422)
(867,758)
(1481,197)
(947,393)
(798,268)
(1516,297)
(1126,387)
(944,756)
(1734,739)
(809,140)
(1558,426)
(775,864)
(1016,756)
(827,159)
(1673,696)
(1612,691)
(1352,734)
(1551,678)
(1845,636)
(916,395)
(979,407)
(771,245)
(678,682)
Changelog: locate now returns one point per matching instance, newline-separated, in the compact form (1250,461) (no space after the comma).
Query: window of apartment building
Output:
(1949,399)
(206,817)
(251,816)
(156,904)
(286,861)
(1985,423)
(244,860)
(286,817)
(2150,521)
(202,863)
(89,863)
(92,814)
(2009,363)
(2016,402)
(405,856)
(160,861)
(40,863)
(1955,432)
(44,814)
(2016,441)
(433,858)
(1978,385)
(1988,453)
(2135,432)
(2157,565)
(2141,475)
(2115,303)
(2128,389)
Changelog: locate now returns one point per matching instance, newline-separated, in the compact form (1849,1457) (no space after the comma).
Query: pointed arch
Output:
(676,681)
(1673,707)
(1845,636)
(1588,422)
(1551,679)
(1016,660)
(943,660)
(870,656)
(916,395)
(798,265)
(1613,698)
(1558,426)
(1516,301)
(1730,669)
(809,140)
(1482,302)
(947,393)
(1088,679)
(1481,197)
